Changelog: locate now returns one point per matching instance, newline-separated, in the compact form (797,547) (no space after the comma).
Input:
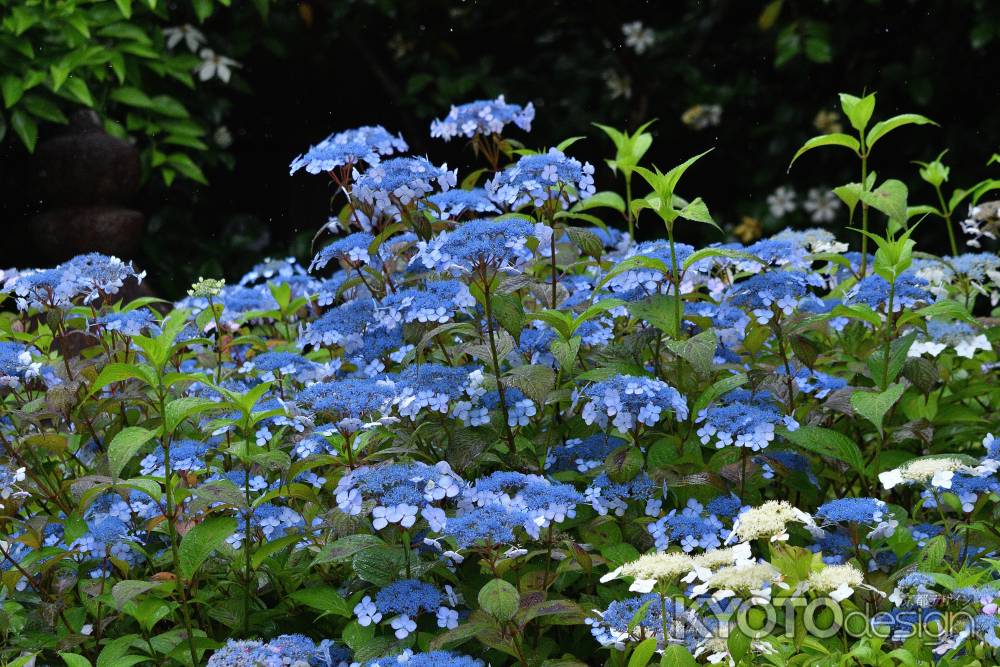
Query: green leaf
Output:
(586,240)
(850,194)
(180,409)
(884,127)
(605,199)
(124,446)
(325,599)
(829,443)
(113,653)
(835,139)
(12,89)
(874,406)
(74,660)
(858,109)
(658,310)
(25,128)
(76,88)
(676,655)
(127,590)
(500,599)
(43,108)
(125,7)
(202,9)
(199,543)
(889,198)
(133,97)
(698,350)
(642,653)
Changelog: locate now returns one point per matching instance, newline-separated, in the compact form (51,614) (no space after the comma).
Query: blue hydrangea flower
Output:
(941,335)
(582,455)
(185,455)
(967,488)
(520,408)
(344,325)
(128,323)
(350,401)
(815,382)
(614,627)
(16,364)
(85,277)
(775,252)
(431,386)
(742,421)
(270,365)
(766,293)
(607,497)
(430,659)
(646,279)
(352,249)
(492,524)
(9,480)
(873,291)
(456,202)
(272,270)
(399,491)
(725,506)
(267,522)
(483,117)
(870,512)
(407,598)
(691,531)
(540,178)
(629,399)
(439,302)
(401,181)
(544,502)
(364,144)
(499,244)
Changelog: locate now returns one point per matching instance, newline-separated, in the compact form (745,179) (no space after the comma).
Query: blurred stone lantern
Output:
(84,179)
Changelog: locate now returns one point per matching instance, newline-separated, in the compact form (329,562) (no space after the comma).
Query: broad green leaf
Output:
(325,599)
(605,199)
(873,406)
(500,599)
(889,198)
(698,350)
(858,109)
(677,655)
(74,660)
(129,589)
(199,543)
(642,653)
(827,442)
(884,127)
(12,88)
(25,128)
(835,139)
(124,446)
(180,409)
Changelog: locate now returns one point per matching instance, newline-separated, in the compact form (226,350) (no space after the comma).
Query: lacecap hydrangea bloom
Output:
(627,400)
(482,117)
(401,181)
(398,493)
(352,249)
(742,420)
(538,179)
(407,599)
(768,520)
(366,144)
(498,244)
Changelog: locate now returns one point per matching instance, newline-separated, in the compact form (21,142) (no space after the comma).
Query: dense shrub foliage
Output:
(484,427)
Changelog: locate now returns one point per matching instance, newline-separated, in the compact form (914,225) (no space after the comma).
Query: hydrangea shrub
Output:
(485,426)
